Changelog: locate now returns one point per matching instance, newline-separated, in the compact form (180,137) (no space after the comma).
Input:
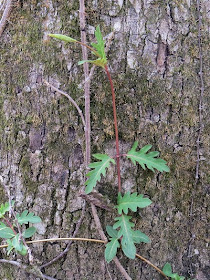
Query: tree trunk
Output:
(158,62)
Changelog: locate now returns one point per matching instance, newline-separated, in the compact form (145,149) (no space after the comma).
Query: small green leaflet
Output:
(148,159)
(99,50)
(29,232)
(167,270)
(99,46)
(139,237)
(98,62)
(63,38)
(5,208)
(111,249)
(113,245)
(99,168)
(6,232)
(112,232)
(126,232)
(26,217)
(131,201)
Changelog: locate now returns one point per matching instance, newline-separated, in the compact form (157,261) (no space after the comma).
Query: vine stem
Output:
(116,127)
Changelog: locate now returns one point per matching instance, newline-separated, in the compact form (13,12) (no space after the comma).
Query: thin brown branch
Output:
(69,98)
(29,269)
(151,264)
(121,269)
(6,13)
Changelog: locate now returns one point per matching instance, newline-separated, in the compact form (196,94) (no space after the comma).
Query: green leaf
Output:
(139,237)
(126,233)
(112,232)
(98,169)
(5,208)
(17,243)
(167,270)
(63,38)
(129,250)
(29,232)
(6,232)
(131,201)
(98,62)
(27,217)
(148,159)
(99,46)
(111,249)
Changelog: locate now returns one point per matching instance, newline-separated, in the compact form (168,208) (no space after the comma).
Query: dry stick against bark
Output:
(8,7)
(28,269)
(70,99)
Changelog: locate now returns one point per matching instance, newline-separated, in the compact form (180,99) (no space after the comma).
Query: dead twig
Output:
(70,99)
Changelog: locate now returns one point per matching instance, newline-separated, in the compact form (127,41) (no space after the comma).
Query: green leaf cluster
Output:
(126,234)
(147,159)
(97,50)
(9,233)
(99,168)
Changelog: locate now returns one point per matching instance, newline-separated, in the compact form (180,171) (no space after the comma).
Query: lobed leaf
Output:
(25,217)
(147,159)
(111,249)
(99,168)
(126,231)
(63,38)
(5,208)
(131,201)
(6,232)
(99,46)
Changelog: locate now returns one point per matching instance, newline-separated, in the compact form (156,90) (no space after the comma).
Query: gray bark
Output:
(154,59)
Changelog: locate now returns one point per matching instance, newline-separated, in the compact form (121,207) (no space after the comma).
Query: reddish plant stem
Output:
(10,225)
(116,128)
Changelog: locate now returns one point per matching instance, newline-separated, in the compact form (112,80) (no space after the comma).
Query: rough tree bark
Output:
(155,61)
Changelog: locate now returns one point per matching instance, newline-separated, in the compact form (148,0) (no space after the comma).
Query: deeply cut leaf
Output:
(5,208)
(126,232)
(26,217)
(6,232)
(63,38)
(147,159)
(99,168)
(111,249)
(131,201)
